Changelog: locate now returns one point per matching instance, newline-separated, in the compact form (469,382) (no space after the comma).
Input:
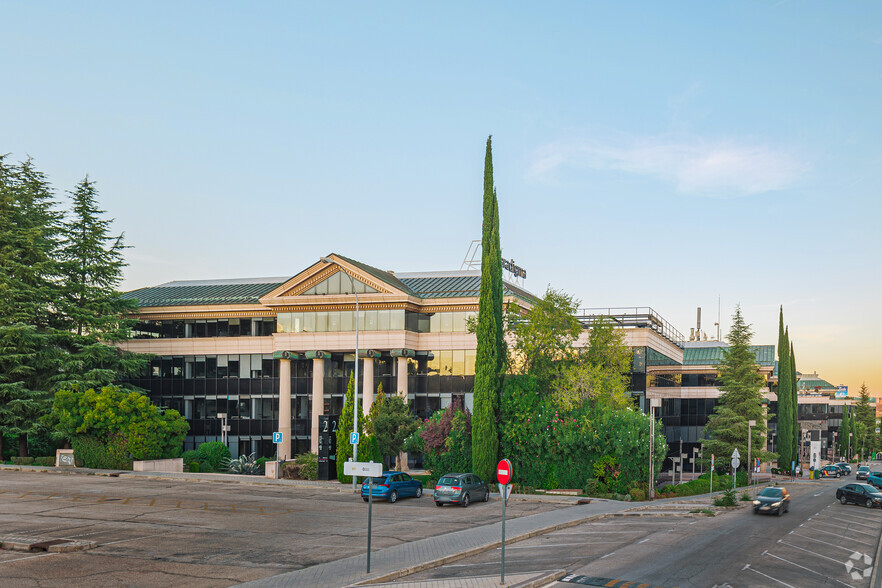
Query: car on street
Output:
(393,485)
(772,500)
(862,494)
(862,473)
(830,471)
(461,489)
(843,466)
(875,478)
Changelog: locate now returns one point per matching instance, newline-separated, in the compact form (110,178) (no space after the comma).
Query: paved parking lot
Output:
(166,532)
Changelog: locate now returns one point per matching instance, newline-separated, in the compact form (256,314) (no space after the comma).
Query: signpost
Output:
(736,461)
(277,439)
(712,478)
(368,469)
(503,476)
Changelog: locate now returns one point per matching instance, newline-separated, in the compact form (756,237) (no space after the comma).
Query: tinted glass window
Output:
(771,492)
(447,481)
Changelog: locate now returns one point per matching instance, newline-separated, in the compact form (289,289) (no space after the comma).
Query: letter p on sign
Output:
(503,472)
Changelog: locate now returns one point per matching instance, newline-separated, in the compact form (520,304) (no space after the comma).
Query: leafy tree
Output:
(344,428)
(544,336)
(485,440)
(29,228)
(845,430)
(122,419)
(447,440)
(393,423)
(93,312)
(741,400)
(374,409)
(785,398)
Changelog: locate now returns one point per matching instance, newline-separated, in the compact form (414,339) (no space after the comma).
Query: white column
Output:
(402,378)
(367,386)
(285,409)
(318,400)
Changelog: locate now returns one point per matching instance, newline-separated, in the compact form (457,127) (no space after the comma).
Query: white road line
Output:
(132,539)
(747,567)
(555,534)
(608,554)
(806,569)
(29,557)
(842,563)
(825,543)
(553,545)
(852,521)
(843,537)
(644,541)
(819,493)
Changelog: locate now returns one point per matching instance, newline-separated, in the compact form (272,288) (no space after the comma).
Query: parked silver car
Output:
(460,489)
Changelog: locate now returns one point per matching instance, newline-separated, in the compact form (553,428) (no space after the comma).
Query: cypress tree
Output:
(485,441)
(794,399)
(344,428)
(785,398)
(496,275)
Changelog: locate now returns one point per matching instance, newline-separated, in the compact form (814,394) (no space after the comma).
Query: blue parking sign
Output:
(353,438)
(277,437)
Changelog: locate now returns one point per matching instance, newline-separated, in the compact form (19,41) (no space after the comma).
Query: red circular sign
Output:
(503,472)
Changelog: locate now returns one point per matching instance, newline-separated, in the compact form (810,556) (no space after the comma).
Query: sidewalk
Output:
(401,560)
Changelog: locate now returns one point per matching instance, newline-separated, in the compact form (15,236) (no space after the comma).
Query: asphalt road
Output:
(809,546)
(177,533)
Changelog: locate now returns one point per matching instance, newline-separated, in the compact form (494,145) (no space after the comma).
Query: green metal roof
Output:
(199,292)
(812,383)
(381,275)
(712,355)
(462,284)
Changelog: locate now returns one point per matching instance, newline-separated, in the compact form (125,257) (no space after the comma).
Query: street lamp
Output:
(653,403)
(848,452)
(750,424)
(355,387)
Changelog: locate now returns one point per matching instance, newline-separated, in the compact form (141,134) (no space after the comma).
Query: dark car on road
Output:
(772,500)
(846,469)
(460,489)
(393,485)
(862,473)
(830,471)
(862,494)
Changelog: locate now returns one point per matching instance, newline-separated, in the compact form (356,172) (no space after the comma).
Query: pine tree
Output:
(741,401)
(485,440)
(794,403)
(93,311)
(865,414)
(785,398)
(29,227)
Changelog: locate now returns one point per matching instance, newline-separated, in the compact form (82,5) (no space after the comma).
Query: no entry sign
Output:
(503,472)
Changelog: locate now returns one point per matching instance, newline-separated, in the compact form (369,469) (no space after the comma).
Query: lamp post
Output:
(848,451)
(653,403)
(750,423)
(355,387)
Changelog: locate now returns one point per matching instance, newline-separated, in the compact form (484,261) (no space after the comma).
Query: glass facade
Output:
(373,320)
(188,329)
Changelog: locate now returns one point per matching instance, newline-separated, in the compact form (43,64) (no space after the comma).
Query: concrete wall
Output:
(159,465)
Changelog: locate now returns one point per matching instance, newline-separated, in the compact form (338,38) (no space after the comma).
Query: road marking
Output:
(133,539)
(812,552)
(850,519)
(597,532)
(747,567)
(844,537)
(819,493)
(29,557)
(825,543)
(487,563)
(807,569)
(608,554)
(850,523)
(553,545)
(644,541)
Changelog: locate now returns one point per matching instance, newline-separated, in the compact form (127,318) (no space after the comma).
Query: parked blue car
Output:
(875,478)
(393,485)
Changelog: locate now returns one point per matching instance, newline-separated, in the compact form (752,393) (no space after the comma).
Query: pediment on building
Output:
(324,279)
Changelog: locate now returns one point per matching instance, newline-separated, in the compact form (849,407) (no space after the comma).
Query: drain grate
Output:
(45,545)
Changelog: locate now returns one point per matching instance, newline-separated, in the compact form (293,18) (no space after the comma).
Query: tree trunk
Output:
(22,445)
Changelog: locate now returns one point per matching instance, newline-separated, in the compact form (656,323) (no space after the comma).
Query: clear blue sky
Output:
(654,154)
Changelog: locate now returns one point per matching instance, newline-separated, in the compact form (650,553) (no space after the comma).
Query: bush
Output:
(745,496)
(244,464)
(23,460)
(592,487)
(304,467)
(45,461)
(193,467)
(111,454)
(637,494)
(727,499)
(211,456)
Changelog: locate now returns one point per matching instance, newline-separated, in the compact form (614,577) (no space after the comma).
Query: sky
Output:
(673,155)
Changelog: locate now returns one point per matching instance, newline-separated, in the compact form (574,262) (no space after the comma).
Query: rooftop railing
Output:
(632,317)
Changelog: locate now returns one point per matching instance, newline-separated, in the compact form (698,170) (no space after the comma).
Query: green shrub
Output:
(745,496)
(212,455)
(110,455)
(727,498)
(592,487)
(308,463)
(45,461)
(244,464)
(193,467)
(190,456)
(637,494)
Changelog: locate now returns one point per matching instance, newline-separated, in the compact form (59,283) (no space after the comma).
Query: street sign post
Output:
(712,478)
(503,476)
(277,439)
(353,438)
(365,469)
(736,461)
